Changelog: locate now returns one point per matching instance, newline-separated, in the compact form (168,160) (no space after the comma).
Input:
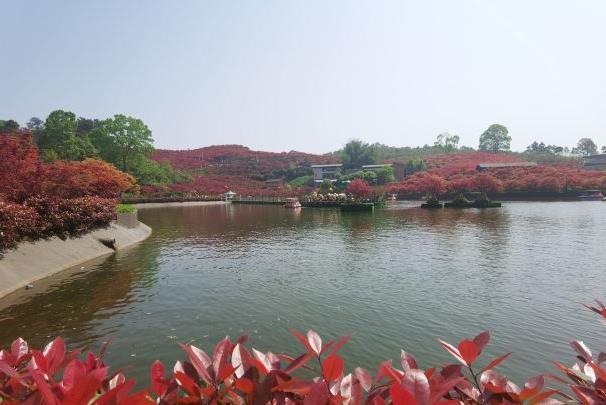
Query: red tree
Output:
(487,183)
(20,166)
(87,178)
(359,189)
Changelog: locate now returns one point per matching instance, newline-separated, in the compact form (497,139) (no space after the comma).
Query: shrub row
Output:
(41,217)
(234,374)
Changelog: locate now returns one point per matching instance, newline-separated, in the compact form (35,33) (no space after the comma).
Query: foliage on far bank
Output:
(235,374)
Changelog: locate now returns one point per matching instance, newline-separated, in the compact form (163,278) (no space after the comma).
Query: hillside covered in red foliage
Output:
(219,168)
(459,173)
(216,169)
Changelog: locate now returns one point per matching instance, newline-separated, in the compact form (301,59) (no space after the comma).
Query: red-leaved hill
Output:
(219,168)
(216,169)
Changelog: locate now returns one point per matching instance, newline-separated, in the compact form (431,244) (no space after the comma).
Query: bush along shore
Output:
(63,198)
(235,374)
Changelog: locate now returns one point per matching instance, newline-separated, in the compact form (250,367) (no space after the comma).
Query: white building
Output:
(374,168)
(326,172)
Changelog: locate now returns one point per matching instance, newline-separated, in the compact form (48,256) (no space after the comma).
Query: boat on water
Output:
(591,195)
(292,203)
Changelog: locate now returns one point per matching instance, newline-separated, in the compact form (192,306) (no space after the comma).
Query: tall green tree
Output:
(447,141)
(122,140)
(495,139)
(8,126)
(586,147)
(59,140)
(356,153)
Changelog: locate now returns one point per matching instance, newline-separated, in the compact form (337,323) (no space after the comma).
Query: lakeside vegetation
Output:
(235,374)
(41,199)
(58,175)
(205,173)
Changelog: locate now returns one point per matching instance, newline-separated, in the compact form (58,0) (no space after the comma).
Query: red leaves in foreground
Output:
(233,374)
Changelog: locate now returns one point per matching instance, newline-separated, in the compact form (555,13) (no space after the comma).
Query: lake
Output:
(400,277)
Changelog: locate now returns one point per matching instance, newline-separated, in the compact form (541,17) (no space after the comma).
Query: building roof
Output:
(504,165)
(230,192)
(376,166)
(331,165)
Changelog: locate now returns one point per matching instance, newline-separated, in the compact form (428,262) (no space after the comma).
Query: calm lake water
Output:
(400,277)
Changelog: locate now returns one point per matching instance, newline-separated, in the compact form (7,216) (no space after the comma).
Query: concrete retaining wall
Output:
(32,261)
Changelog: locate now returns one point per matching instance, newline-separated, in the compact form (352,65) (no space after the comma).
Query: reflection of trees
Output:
(73,303)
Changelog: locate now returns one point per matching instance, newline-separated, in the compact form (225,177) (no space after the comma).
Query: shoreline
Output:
(33,261)
(178,204)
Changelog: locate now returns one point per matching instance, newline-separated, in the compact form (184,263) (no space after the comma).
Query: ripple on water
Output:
(399,278)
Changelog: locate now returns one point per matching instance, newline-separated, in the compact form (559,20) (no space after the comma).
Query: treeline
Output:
(495,139)
(123,141)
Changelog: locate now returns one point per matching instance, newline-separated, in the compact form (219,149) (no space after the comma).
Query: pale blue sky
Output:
(309,75)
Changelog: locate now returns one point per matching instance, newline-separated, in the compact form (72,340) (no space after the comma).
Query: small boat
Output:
(292,203)
(591,195)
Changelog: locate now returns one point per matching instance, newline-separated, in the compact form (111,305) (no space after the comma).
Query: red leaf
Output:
(245,385)
(19,350)
(364,377)
(469,351)
(340,344)
(496,362)
(315,341)
(301,339)
(159,384)
(408,361)
(44,388)
(399,395)
(416,382)
(387,370)
(332,367)
(482,340)
(318,394)
(75,371)
(54,353)
(200,361)
(220,355)
(187,383)
(261,361)
(453,350)
(582,350)
(295,386)
(85,390)
(532,387)
(298,362)
(226,372)
(112,396)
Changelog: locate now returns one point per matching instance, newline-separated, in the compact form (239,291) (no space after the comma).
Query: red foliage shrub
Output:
(64,198)
(422,182)
(459,170)
(16,221)
(486,183)
(234,374)
(20,166)
(70,217)
(90,177)
(359,189)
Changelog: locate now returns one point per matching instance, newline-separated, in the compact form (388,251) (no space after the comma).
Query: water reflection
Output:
(399,277)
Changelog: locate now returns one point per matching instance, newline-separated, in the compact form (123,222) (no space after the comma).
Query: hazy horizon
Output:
(309,76)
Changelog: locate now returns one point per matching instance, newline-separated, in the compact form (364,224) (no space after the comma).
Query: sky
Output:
(310,75)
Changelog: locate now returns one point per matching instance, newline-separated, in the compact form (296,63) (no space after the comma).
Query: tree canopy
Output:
(122,140)
(59,139)
(495,139)
(357,153)
(586,147)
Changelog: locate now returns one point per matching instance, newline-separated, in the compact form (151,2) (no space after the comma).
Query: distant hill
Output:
(238,159)
(221,167)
